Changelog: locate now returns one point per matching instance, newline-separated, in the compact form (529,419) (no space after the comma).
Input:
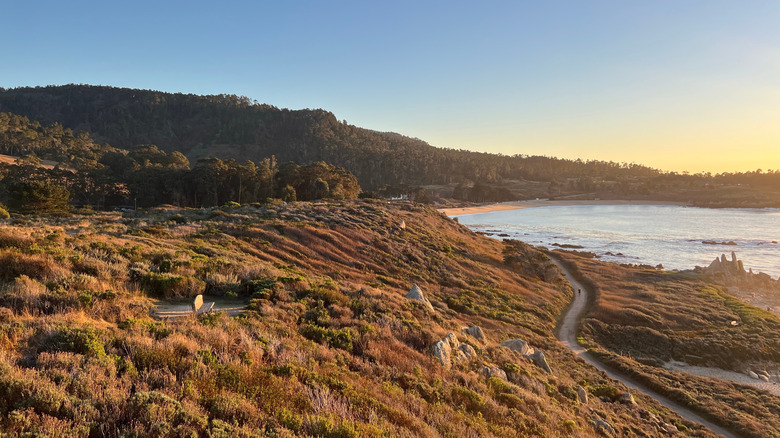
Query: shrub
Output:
(259,289)
(338,338)
(606,391)
(156,414)
(168,285)
(83,341)
(4,213)
(11,239)
(39,266)
(177,218)
(470,400)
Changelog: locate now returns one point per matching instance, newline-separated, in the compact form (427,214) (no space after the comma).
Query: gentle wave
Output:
(669,235)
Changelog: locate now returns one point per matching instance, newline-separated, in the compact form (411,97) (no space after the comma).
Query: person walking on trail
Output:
(579,291)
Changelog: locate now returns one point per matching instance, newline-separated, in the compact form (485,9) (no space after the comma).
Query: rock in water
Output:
(519,346)
(476,332)
(582,395)
(416,294)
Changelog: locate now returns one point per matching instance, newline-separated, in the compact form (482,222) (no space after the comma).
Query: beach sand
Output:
(515,205)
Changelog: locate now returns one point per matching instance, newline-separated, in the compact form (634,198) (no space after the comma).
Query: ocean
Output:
(676,237)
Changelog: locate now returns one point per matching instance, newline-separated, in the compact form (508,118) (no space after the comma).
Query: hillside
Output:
(641,319)
(328,345)
(228,126)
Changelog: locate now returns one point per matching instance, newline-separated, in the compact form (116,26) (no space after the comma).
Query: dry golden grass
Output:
(641,318)
(328,347)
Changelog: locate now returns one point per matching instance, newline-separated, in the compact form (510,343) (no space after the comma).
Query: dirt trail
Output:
(567,334)
(183,308)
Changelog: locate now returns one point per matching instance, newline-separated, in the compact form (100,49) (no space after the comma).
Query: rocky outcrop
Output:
(727,269)
(626,398)
(447,350)
(476,332)
(541,361)
(604,427)
(732,273)
(519,346)
(528,352)
(416,294)
(493,371)
(582,395)
(467,351)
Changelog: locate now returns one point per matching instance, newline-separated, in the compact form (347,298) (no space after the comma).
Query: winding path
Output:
(567,334)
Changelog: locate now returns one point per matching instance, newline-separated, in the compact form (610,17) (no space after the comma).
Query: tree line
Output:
(229,126)
(99,175)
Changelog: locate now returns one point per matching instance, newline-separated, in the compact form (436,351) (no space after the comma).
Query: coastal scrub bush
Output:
(38,266)
(11,239)
(156,414)
(4,213)
(166,285)
(343,338)
(259,289)
(84,341)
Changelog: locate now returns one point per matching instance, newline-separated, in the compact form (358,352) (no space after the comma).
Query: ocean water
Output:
(648,234)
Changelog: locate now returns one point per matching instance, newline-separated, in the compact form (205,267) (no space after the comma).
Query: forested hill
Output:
(229,126)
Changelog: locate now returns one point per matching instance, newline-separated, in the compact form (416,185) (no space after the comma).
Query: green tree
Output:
(39,196)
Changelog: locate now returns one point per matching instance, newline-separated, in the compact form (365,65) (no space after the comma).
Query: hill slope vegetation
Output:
(328,346)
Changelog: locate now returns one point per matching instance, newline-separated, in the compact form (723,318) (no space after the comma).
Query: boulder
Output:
(752,374)
(447,350)
(402,225)
(467,351)
(493,371)
(416,294)
(626,398)
(582,395)
(476,332)
(671,429)
(541,361)
(604,427)
(443,352)
(519,346)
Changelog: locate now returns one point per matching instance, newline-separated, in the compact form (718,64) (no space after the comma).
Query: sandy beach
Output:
(515,205)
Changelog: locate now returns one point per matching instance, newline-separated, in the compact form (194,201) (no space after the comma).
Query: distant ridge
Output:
(230,126)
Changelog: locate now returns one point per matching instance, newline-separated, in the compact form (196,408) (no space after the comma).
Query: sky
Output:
(679,85)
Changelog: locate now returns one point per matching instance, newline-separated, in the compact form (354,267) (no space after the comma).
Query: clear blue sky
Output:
(680,85)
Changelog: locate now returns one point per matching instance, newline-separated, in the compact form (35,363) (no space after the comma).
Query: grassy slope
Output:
(642,317)
(329,347)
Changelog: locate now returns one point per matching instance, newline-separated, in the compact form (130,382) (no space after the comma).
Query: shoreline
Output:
(517,205)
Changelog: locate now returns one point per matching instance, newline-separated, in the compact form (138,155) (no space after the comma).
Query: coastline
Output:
(516,205)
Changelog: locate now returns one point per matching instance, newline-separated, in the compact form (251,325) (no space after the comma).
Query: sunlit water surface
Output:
(647,234)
